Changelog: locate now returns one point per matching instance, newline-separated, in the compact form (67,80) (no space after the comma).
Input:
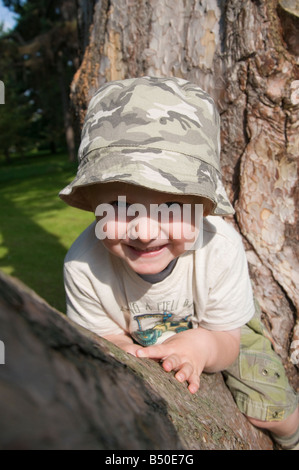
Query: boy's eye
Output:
(170,203)
(120,204)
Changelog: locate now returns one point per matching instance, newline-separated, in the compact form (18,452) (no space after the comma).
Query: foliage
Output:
(38,59)
(15,114)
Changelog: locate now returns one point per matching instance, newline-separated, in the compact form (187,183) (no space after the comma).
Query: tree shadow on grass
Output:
(35,255)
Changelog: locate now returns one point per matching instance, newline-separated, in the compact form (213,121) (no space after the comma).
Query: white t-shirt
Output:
(209,287)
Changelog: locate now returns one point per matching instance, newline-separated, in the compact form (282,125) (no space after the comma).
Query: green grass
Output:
(36,227)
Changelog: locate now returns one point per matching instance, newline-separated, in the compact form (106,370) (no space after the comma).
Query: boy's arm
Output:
(124,341)
(192,351)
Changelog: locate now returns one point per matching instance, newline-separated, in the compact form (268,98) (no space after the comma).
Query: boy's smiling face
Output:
(147,244)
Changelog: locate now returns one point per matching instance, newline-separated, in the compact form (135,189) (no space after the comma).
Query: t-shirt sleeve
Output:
(229,302)
(83,304)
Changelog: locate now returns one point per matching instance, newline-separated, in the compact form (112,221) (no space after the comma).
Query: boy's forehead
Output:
(112,186)
(134,192)
(125,189)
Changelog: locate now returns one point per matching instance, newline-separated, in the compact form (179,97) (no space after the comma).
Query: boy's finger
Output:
(194,383)
(185,371)
(131,349)
(171,362)
(152,352)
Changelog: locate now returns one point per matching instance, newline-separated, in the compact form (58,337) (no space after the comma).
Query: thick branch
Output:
(64,388)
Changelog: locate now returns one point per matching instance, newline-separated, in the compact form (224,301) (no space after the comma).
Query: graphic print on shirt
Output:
(164,322)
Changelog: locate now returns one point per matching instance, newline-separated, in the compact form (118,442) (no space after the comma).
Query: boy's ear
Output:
(206,212)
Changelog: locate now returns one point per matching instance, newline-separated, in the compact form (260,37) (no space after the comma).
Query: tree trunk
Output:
(244,54)
(63,387)
(67,115)
(7,155)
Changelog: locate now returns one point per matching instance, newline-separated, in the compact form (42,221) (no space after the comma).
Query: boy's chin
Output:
(148,270)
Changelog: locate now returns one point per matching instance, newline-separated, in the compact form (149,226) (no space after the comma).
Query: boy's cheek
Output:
(183,231)
(110,229)
(143,228)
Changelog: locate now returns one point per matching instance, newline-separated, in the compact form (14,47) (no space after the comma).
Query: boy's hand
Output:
(180,354)
(124,342)
(190,352)
(175,350)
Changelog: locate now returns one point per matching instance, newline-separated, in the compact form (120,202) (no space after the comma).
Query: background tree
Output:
(15,127)
(47,52)
(244,53)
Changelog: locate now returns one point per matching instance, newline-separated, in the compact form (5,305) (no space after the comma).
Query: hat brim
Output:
(157,170)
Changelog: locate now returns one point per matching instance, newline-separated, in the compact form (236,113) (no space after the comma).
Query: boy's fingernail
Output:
(140,353)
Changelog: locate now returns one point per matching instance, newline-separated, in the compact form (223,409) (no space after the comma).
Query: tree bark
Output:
(244,54)
(63,387)
(67,115)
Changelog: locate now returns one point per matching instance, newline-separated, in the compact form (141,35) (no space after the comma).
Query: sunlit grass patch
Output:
(36,227)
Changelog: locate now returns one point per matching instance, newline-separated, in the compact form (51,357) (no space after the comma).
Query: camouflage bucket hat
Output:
(159,133)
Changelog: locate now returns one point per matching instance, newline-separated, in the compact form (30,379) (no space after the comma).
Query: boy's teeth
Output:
(149,249)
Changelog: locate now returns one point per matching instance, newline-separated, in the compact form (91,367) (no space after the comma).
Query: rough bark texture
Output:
(62,387)
(244,54)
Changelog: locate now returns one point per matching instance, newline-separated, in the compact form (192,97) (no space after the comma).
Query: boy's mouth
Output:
(149,251)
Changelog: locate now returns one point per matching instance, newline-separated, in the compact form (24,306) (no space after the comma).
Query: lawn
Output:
(36,227)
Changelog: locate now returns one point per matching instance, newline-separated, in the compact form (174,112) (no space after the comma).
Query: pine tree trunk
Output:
(244,53)
(67,115)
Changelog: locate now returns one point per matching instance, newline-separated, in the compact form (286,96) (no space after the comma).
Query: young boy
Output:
(152,275)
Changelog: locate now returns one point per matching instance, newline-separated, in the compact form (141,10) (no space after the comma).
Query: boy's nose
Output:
(143,228)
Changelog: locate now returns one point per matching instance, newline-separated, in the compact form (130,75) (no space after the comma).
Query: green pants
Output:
(257,379)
